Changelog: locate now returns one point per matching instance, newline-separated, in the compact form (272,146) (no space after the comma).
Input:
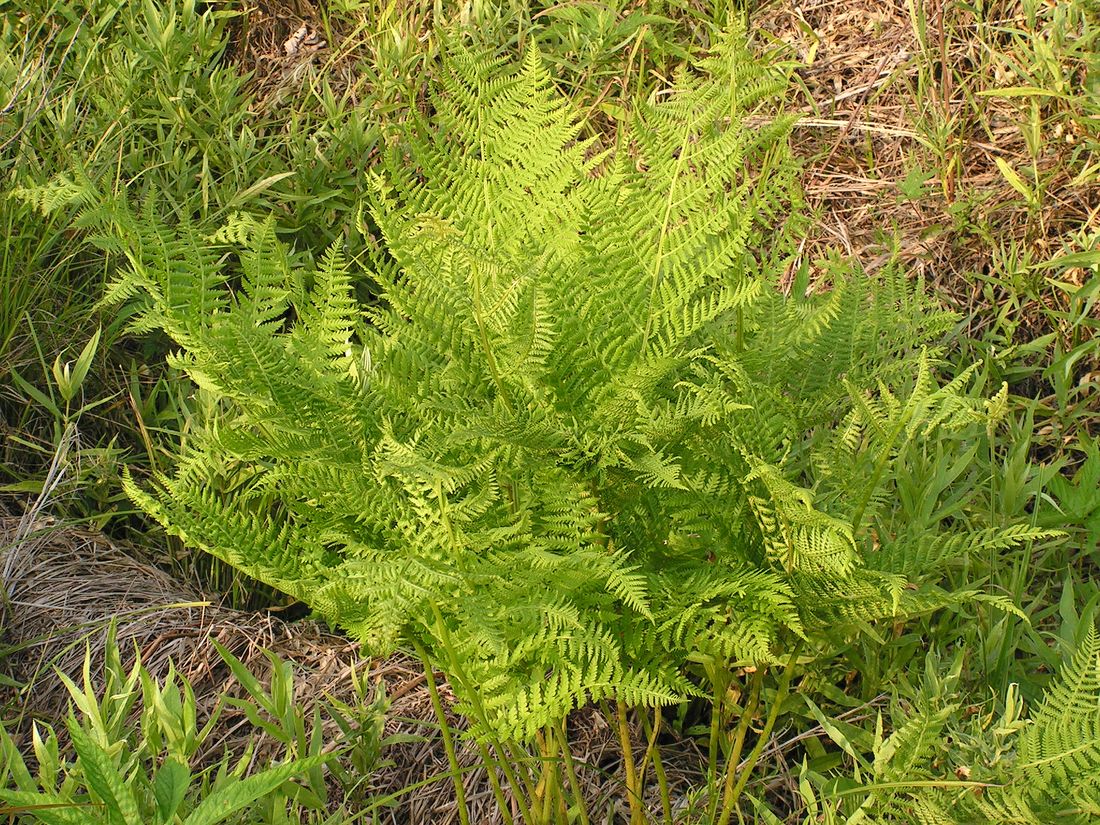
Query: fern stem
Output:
(721,684)
(733,758)
(543,791)
(523,786)
(655,276)
(490,359)
(445,517)
(876,476)
(549,782)
(773,715)
(521,793)
(445,729)
(491,767)
(633,792)
(651,731)
(571,772)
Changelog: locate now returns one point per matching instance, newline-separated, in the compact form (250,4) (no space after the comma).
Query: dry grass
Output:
(64,585)
(300,55)
(907,111)
(279,43)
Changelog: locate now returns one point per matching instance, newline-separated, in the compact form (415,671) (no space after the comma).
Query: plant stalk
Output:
(719,678)
(448,739)
(519,793)
(652,730)
(494,781)
(571,772)
(546,790)
(633,792)
(733,759)
(773,716)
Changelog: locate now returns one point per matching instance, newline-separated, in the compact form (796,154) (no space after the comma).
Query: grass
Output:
(961,139)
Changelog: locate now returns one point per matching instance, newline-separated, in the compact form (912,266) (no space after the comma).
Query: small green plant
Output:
(135,744)
(1074,503)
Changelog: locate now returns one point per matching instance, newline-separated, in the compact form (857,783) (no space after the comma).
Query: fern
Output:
(1057,769)
(582,438)
(57,194)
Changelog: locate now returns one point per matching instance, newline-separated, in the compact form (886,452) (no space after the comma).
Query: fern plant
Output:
(584,437)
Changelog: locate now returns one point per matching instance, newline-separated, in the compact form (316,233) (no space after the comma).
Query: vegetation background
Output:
(960,139)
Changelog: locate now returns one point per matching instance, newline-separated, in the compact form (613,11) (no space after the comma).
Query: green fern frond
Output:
(1053,776)
(1059,752)
(58,193)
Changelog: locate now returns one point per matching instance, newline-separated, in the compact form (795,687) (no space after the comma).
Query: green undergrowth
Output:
(138,750)
(1035,74)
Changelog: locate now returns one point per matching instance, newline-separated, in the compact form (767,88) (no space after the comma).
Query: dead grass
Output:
(280,43)
(300,55)
(63,585)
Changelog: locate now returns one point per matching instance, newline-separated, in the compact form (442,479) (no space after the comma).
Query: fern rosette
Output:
(582,438)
